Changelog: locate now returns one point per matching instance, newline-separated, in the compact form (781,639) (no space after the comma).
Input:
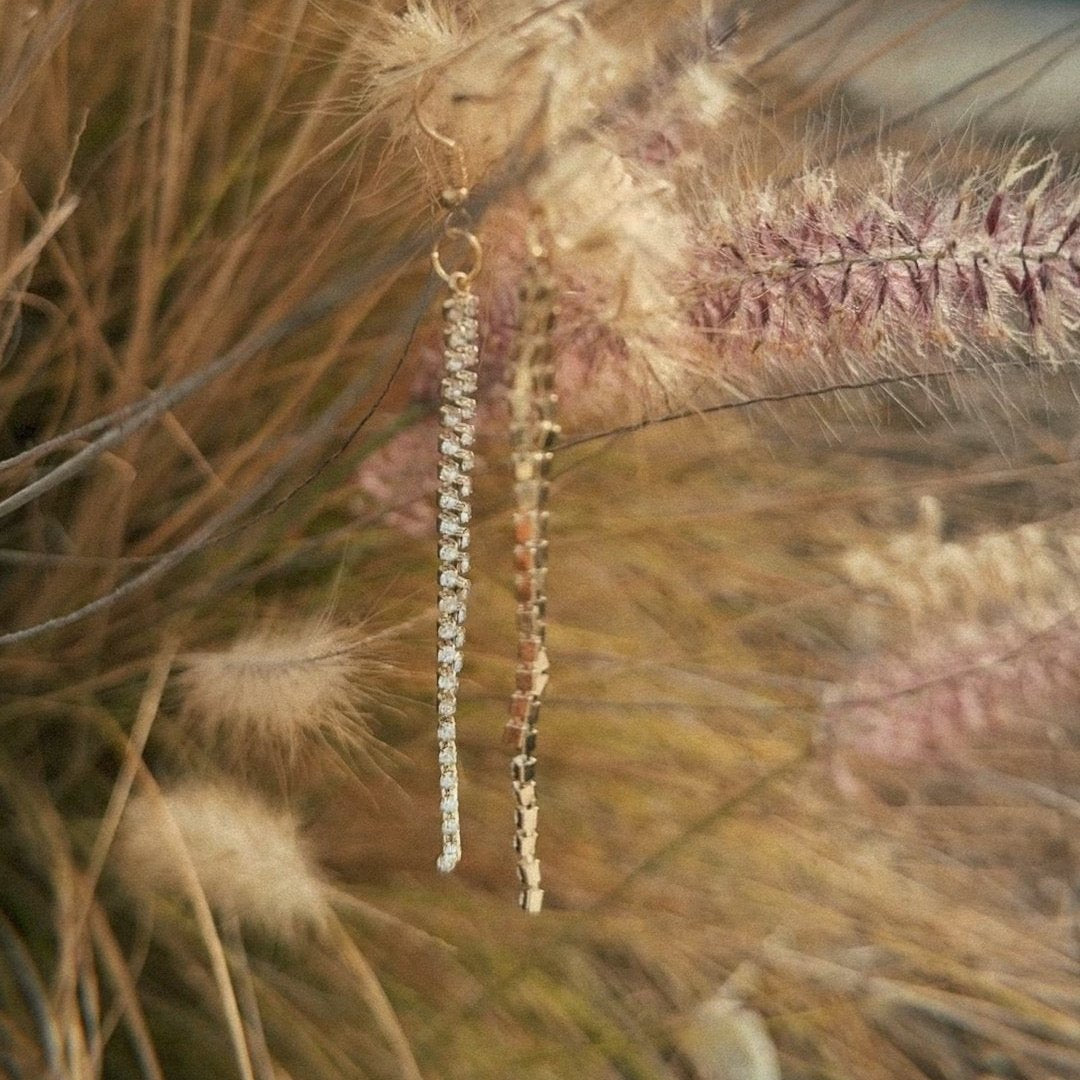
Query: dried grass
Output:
(212,271)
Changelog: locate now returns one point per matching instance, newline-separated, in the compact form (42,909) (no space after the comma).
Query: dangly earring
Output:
(533,432)
(461,354)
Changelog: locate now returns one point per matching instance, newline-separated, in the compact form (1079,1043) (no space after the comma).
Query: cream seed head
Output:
(279,693)
(250,859)
(599,97)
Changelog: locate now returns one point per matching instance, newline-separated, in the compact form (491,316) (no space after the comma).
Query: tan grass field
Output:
(809,761)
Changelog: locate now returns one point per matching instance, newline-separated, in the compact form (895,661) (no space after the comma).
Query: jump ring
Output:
(459,279)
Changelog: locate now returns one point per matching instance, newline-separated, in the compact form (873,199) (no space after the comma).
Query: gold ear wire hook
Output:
(450,198)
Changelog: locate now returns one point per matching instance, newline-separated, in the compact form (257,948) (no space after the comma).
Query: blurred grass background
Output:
(178,177)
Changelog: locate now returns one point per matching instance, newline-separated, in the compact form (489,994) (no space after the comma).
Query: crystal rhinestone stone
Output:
(451,663)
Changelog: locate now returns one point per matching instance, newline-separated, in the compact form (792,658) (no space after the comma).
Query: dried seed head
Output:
(725,1039)
(965,641)
(839,280)
(399,480)
(249,858)
(277,693)
(485,83)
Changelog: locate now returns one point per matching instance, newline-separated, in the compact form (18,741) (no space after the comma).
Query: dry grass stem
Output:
(810,744)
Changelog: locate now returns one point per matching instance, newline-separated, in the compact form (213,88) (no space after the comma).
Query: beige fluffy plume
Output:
(250,859)
(279,693)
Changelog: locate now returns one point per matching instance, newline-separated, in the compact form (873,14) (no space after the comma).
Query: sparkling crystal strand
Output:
(532,434)
(457,410)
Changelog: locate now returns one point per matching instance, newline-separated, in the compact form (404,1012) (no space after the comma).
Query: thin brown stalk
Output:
(116,967)
(204,919)
(31,251)
(261,1058)
(375,996)
(819,89)
(35,997)
(149,704)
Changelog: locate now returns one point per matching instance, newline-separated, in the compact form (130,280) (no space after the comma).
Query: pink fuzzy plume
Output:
(824,283)
(399,480)
(954,688)
(957,645)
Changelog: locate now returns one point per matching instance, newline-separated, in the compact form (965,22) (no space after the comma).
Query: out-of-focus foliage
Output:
(809,754)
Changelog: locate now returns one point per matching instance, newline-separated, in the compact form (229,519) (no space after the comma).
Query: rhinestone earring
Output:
(533,432)
(461,354)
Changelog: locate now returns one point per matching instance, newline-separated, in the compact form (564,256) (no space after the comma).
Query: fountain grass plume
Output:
(831,278)
(279,693)
(958,644)
(249,857)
